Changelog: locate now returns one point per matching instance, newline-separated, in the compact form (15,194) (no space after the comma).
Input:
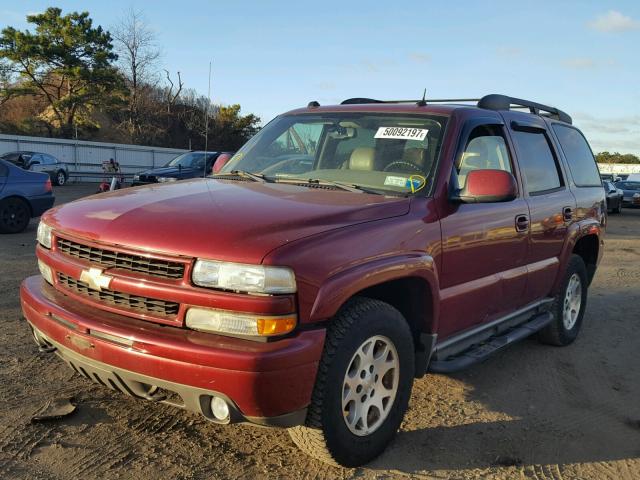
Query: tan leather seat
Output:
(362,158)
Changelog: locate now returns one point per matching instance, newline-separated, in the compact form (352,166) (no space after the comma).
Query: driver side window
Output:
(486,149)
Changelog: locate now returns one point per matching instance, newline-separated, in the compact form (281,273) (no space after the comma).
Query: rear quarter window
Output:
(579,156)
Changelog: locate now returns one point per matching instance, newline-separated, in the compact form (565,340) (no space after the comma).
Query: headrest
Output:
(362,158)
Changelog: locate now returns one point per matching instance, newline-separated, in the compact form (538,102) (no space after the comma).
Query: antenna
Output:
(206,123)
(423,102)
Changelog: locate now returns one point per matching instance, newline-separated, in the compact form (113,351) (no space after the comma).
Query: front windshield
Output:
(189,160)
(385,153)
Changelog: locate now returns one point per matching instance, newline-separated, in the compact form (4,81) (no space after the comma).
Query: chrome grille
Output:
(125,261)
(125,300)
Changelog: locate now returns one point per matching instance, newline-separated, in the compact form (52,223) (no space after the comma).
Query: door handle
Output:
(567,213)
(522,223)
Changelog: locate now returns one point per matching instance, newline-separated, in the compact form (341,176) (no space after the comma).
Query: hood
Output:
(217,219)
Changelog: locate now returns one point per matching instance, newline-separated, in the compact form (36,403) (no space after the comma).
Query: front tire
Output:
(362,387)
(568,306)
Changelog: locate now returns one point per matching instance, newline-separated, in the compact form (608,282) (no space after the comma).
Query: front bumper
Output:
(265,383)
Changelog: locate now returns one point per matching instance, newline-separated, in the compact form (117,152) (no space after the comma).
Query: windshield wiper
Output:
(350,187)
(256,177)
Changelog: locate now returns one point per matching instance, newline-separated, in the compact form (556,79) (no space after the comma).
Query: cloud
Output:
(418,57)
(614,21)
(580,63)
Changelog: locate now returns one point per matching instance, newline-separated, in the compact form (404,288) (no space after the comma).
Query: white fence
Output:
(619,168)
(85,158)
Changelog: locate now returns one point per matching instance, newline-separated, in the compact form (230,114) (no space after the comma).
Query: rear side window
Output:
(579,156)
(537,161)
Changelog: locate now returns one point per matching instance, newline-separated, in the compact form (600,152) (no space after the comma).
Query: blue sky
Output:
(274,56)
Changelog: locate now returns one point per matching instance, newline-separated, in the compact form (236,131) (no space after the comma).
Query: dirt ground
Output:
(533,411)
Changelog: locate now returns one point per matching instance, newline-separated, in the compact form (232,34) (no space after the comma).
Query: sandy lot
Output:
(533,411)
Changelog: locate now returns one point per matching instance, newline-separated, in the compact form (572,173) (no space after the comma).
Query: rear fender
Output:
(575,232)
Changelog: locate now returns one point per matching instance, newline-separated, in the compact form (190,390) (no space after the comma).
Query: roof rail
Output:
(504,102)
(422,101)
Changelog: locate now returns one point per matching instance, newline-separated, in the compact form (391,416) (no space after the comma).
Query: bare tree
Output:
(171,95)
(138,57)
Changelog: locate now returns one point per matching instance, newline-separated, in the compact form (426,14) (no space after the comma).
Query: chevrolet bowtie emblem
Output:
(95,279)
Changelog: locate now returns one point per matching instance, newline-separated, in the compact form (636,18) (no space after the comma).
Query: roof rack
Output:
(488,102)
(504,102)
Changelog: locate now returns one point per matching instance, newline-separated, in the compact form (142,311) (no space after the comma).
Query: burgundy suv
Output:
(342,252)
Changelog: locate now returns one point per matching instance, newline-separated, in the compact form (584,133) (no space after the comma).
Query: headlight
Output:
(244,278)
(136,177)
(636,195)
(44,234)
(237,323)
(166,179)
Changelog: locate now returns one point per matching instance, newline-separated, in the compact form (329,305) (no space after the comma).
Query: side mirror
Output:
(220,162)
(488,186)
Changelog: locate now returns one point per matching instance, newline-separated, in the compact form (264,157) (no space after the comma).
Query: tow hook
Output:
(43,344)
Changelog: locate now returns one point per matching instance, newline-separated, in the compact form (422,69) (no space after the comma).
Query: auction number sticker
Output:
(402,133)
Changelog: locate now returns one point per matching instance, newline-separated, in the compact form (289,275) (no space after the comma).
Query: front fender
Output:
(338,288)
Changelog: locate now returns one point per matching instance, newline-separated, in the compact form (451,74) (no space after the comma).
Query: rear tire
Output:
(61,178)
(362,387)
(568,306)
(15,215)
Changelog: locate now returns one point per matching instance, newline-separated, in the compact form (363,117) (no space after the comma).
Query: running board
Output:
(480,352)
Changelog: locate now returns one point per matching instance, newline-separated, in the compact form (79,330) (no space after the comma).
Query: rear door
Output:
(483,260)
(552,206)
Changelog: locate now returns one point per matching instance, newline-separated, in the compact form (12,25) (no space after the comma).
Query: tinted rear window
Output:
(537,162)
(579,156)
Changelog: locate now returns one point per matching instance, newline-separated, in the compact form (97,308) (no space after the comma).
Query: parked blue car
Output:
(23,195)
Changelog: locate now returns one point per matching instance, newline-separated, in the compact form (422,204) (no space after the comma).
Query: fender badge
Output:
(95,279)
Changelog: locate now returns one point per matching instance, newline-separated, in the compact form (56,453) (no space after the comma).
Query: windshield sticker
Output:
(402,133)
(396,181)
(414,182)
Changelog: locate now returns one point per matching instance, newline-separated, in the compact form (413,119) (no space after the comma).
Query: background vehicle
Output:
(614,197)
(633,177)
(342,252)
(630,192)
(187,165)
(40,162)
(610,177)
(23,195)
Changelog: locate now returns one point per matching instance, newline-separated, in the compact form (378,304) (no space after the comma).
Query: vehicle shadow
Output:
(532,404)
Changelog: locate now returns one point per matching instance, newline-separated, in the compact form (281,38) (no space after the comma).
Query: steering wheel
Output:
(403,163)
